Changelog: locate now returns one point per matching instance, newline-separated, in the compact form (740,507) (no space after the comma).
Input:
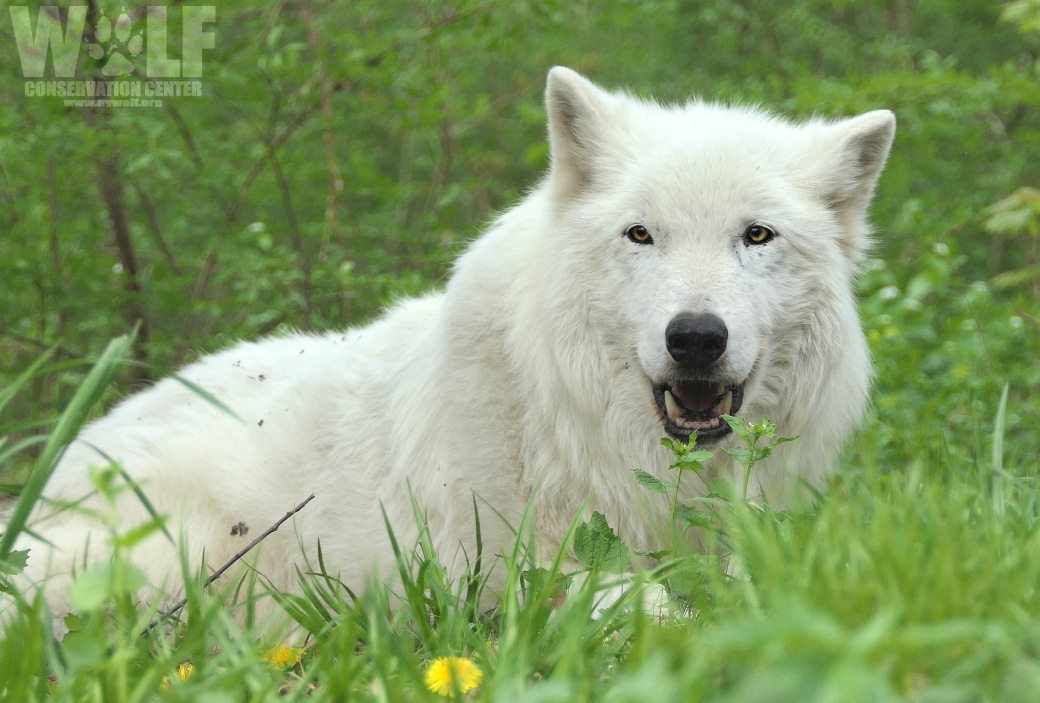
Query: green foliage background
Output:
(343,153)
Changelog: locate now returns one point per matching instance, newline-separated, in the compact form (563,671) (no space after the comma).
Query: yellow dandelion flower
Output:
(184,672)
(284,657)
(450,675)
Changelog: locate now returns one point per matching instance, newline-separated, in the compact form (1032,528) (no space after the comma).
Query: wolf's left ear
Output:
(578,116)
(860,148)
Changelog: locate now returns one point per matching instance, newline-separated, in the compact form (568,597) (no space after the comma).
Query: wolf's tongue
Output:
(697,396)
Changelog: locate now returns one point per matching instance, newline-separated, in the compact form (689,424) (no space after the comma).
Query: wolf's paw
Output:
(115,42)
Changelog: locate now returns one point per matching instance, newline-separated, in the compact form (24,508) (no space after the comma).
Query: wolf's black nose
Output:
(696,340)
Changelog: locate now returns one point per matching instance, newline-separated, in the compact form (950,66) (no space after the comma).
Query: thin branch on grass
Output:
(227,565)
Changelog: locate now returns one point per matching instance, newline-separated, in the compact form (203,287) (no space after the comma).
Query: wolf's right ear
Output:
(860,150)
(577,113)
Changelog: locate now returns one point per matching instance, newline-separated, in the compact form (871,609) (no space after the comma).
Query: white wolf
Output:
(676,264)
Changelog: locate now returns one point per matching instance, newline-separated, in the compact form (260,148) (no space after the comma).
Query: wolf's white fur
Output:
(531,374)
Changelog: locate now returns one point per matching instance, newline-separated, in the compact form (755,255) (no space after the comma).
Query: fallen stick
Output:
(230,562)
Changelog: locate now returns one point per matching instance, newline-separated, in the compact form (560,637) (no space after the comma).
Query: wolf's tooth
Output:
(673,408)
(726,404)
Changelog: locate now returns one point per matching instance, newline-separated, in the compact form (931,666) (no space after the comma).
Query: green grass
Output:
(917,584)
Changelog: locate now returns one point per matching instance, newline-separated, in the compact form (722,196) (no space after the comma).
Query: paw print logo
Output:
(112,43)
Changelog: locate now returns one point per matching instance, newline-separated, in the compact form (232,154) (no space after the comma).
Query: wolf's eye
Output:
(758,234)
(639,234)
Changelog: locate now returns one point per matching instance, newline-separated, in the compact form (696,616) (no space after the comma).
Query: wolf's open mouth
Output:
(690,406)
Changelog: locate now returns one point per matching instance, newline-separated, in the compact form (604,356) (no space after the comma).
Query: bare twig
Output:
(426,31)
(111,188)
(231,562)
(41,345)
(337,86)
(199,292)
(1026,316)
(331,225)
(153,223)
(185,133)
(272,146)
(53,241)
(296,237)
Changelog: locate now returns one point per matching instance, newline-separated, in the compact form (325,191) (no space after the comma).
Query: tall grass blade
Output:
(69,424)
(9,391)
(997,457)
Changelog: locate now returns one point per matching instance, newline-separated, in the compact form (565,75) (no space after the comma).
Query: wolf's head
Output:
(716,248)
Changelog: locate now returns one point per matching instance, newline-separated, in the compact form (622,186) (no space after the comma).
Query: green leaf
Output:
(741,454)
(675,447)
(74,622)
(14,562)
(768,449)
(140,533)
(692,461)
(763,428)
(739,427)
(721,488)
(103,581)
(658,554)
(543,581)
(678,447)
(692,517)
(651,482)
(598,547)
